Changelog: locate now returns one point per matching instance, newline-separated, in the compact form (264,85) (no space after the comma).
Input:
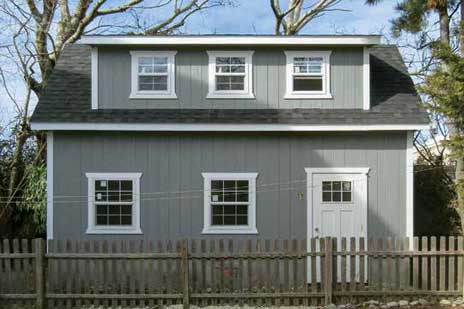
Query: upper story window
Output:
(114,204)
(308,75)
(153,75)
(230,74)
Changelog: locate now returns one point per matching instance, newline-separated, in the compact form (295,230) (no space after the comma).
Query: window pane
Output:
(337,186)
(326,186)
(114,220)
(113,196)
(242,196)
(217,220)
(326,196)
(222,60)
(229,220)
(336,196)
(126,220)
(114,210)
(102,220)
(102,209)
(237,69)
(230,83)
(126,185)
(101,185)
(307,64)
(242,209)
(153,83)
(242,220)
(126,209)
(218,210)
(229,185)
(306,83)
(347,186)
(347,196)
(101,196)
(217,185)
(229,210)
(149,65)
(126,196)
(242,185)
(237,60)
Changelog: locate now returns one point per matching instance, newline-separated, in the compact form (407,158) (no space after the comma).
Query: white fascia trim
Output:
(231,40)
(207,227)
(410,185)
(326,91)
(337,170)
(92,228)
(247,93)
(173,127)
(170,93)
(366,79)
(49,218)
(94,76)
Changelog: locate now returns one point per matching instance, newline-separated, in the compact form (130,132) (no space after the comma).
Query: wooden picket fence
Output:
(76,274)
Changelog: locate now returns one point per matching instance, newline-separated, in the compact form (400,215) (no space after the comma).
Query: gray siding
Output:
(192,81)
(173,163)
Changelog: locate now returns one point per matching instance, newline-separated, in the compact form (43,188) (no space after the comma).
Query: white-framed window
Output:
(230,74)
(308,75)
(229,203)
(153,75)
(337,191)
(113,203)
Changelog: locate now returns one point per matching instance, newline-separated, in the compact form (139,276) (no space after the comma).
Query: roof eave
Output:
(361,40)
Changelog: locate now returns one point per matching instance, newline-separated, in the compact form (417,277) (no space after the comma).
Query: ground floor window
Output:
(229,203)
(113,203)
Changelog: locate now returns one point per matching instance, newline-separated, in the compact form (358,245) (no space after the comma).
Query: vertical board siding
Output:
(172,185)
(269,75)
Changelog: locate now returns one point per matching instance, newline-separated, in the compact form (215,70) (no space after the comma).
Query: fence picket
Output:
(442,261)
(415,264)
(459,265)
(433,264)
(451,264)
(425,264)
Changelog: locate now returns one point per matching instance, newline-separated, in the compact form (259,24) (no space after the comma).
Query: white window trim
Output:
(170,93)
(251,227)
(49,218)
(366,79)
(247,93)
(325,93)
(94,77)
(92,228)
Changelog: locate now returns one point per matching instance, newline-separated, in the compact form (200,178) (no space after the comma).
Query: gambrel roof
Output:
(394,100)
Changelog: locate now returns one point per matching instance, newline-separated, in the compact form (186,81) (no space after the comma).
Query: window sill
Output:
(152,96)
(113,231)
(290,96)
(246,230)
(230,96)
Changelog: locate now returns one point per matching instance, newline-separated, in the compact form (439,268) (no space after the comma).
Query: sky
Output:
(256,17)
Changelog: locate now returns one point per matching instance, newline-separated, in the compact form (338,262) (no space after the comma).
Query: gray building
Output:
(229,136)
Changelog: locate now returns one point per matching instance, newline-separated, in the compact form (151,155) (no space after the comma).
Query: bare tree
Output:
(35,33)
(298,14)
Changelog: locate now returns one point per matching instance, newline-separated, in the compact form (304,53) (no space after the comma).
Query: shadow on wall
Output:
(434,214)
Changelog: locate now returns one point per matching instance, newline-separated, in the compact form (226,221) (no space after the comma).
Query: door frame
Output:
(363,171)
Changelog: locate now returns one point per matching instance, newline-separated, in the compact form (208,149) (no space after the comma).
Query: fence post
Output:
(328,270)
(185,274)
(39,273)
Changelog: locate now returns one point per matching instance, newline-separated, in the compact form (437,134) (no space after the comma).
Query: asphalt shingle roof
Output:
(394,100)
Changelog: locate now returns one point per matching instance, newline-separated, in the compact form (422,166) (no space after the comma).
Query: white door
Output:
(338,209)
(337,205)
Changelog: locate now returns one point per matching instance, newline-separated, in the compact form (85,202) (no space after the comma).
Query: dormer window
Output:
(230,74)
(308,75)
(153,75)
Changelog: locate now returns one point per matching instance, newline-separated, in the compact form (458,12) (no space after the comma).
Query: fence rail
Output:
(73,274)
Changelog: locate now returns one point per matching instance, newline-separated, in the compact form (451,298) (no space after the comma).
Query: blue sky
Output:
(255,16)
